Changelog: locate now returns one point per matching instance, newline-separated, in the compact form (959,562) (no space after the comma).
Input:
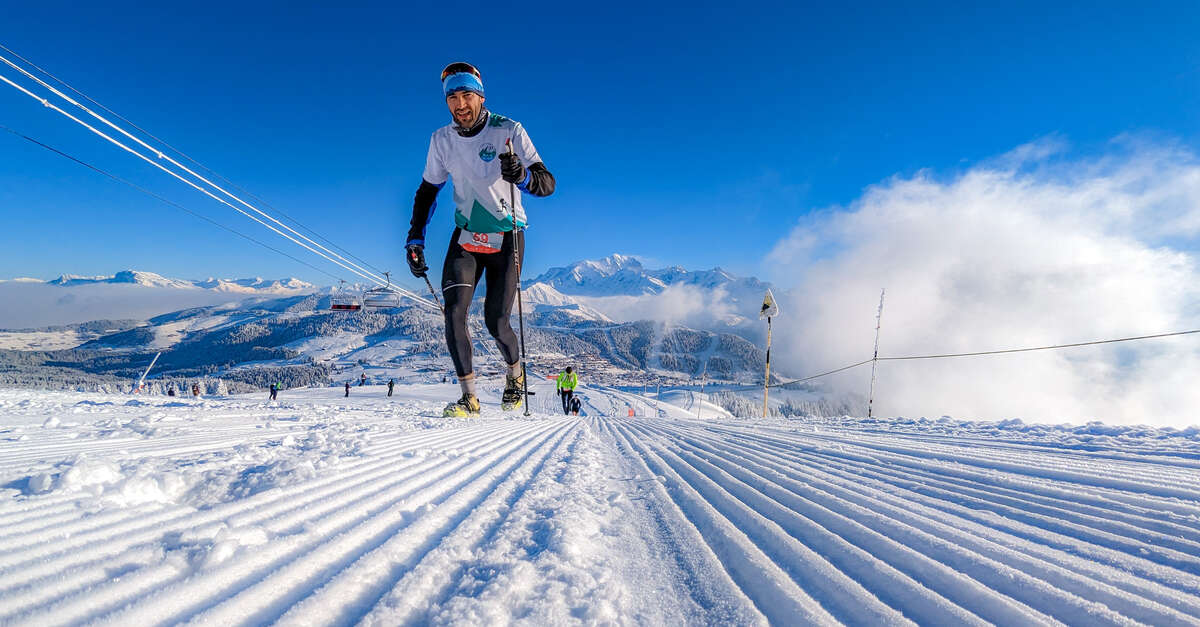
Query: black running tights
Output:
(460,276)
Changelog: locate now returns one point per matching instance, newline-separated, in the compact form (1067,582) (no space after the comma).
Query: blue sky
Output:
(696,134)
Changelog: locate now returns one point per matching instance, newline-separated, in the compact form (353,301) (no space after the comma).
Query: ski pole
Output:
(434,295)
(512,201)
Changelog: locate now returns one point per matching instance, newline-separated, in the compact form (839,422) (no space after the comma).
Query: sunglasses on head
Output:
(460,68)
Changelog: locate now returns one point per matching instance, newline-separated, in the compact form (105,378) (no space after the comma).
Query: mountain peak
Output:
(151,279)
(624,275)
(75,279)
(619,274)
(622,261)
(607,266)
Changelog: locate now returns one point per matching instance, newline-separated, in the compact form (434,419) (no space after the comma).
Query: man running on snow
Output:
(489,221)
(567,380)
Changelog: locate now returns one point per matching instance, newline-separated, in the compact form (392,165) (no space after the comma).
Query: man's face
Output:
(465,107)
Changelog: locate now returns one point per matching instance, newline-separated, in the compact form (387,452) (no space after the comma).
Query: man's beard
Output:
(468,129)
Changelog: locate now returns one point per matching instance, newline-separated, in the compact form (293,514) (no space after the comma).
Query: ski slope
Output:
(323,510)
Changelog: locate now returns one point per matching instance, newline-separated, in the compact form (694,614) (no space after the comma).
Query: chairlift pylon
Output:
(343,300)
(382,297)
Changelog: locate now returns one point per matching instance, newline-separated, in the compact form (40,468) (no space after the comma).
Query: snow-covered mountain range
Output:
(256,285)
(617,321)
(622,275)
(617,288)
(620,287)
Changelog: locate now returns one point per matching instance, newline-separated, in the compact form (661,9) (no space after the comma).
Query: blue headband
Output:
(463,81)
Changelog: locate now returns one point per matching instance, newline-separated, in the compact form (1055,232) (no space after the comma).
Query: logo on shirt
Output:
(488,153)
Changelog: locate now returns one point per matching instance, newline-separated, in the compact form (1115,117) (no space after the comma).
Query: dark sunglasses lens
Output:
(458,68)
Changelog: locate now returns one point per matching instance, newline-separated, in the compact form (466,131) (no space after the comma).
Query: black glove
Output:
(414,254)
(511,169)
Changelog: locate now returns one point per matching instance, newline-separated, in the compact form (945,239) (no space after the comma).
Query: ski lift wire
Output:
(1042,348)
(165,200)
(362,272)
(184,155)
(973,354)
(339,261)
(48,104)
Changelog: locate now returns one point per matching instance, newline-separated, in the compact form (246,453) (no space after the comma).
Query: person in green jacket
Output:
(567,380)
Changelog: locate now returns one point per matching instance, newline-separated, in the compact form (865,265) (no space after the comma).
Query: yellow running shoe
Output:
(512,397)
(465,407)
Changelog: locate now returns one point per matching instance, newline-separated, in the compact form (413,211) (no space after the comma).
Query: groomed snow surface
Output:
(324,510)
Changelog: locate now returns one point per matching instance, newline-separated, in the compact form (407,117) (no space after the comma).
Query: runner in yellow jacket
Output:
(567,380)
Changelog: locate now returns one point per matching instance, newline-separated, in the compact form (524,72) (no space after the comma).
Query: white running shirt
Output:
(481,197)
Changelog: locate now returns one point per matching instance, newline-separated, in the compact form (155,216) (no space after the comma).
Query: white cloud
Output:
(684,305)
(33,305)
(1032,248)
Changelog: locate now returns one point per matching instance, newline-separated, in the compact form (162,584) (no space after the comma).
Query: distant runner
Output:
(567,380)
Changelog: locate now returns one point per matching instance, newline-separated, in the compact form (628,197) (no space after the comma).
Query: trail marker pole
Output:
(767,376)
(875,358)
(770,308)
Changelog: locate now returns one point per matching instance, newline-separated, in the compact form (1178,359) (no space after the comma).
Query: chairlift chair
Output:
(343,300)
(382,297)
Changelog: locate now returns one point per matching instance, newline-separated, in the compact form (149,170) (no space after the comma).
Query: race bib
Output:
(481,242)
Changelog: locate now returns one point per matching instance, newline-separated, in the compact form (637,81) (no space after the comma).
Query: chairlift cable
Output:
(165,200)
(360,271)
(973,354)
(184,155)
(338,261)
(206,192)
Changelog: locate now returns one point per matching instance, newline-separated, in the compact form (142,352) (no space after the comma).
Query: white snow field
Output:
(323,510)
